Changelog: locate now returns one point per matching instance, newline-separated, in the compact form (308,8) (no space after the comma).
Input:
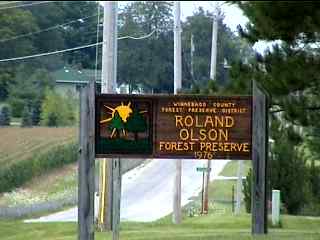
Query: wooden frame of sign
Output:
(167,126)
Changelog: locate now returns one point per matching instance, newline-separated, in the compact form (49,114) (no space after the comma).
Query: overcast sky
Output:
(233,15)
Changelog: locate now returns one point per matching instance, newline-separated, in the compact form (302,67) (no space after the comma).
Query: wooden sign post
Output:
(173,127)
(86,164)
(259,161)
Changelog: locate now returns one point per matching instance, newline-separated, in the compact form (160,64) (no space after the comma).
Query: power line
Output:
(50,53)
(44,30)
(27,5)
(71,49)
(137,38)
(9,2)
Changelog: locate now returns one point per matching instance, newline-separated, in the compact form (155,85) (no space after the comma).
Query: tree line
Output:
(145,63)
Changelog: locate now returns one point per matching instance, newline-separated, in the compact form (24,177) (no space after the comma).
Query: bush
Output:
(57,110)
(289,171)
(247,183)
(5,116)
(16,174)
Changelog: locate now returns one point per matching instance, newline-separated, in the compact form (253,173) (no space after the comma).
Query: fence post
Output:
(275,207)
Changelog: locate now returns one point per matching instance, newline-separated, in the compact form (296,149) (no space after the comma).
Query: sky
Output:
(233,16)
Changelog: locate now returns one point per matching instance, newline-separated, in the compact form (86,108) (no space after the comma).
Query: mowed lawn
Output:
(213,226)
(18,143)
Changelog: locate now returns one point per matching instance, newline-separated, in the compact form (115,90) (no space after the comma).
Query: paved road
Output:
(147,192)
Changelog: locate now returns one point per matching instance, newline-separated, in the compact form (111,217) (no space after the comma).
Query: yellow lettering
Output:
(218,120)
(246,147)
(179,120)
(229,121)
(226,149)
(208,121)
(184,134)
(202,145)
(197,122)
(161,145)
(203,135)
(208,146)
(224,134)
(188,121)
(212,134)
(233,147)
(174,146)
(192,134)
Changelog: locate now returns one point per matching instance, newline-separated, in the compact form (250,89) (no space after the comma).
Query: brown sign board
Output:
(173,126)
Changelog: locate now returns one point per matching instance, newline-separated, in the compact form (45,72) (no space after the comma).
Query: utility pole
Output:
(191,56)
(108,85)
(176,217)
(213,64)
(212,76)
(206,188)
(239,187)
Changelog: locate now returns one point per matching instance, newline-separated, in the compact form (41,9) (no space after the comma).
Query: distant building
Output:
(69,80)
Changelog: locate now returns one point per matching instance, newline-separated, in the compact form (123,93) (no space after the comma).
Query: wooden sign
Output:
(179,126)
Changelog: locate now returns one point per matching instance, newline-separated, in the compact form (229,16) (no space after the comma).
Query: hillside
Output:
(18,144)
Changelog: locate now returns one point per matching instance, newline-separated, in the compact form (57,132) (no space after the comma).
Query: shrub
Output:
(26,116)
(247,191)
(57,110)
(5,116)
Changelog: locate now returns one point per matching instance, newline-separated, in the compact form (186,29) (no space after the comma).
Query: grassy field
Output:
(214,226)
(22,144)
(17,143)
(219,224)
(63,182)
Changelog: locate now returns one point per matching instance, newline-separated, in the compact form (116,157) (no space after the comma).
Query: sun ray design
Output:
(123,111)
(106,120)
(117,119)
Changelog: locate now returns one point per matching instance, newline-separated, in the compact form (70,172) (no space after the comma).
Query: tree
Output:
(288,169)
(138,57)
(229,47)
(315,180)
(29,85)
(116,124)
(290,69)
(19,34)
(15,22)
(136,123)
(26,115)
(5,116)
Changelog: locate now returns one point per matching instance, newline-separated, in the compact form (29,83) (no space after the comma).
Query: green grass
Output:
(224,227)
(220,191)
(217,225)
(230,170)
